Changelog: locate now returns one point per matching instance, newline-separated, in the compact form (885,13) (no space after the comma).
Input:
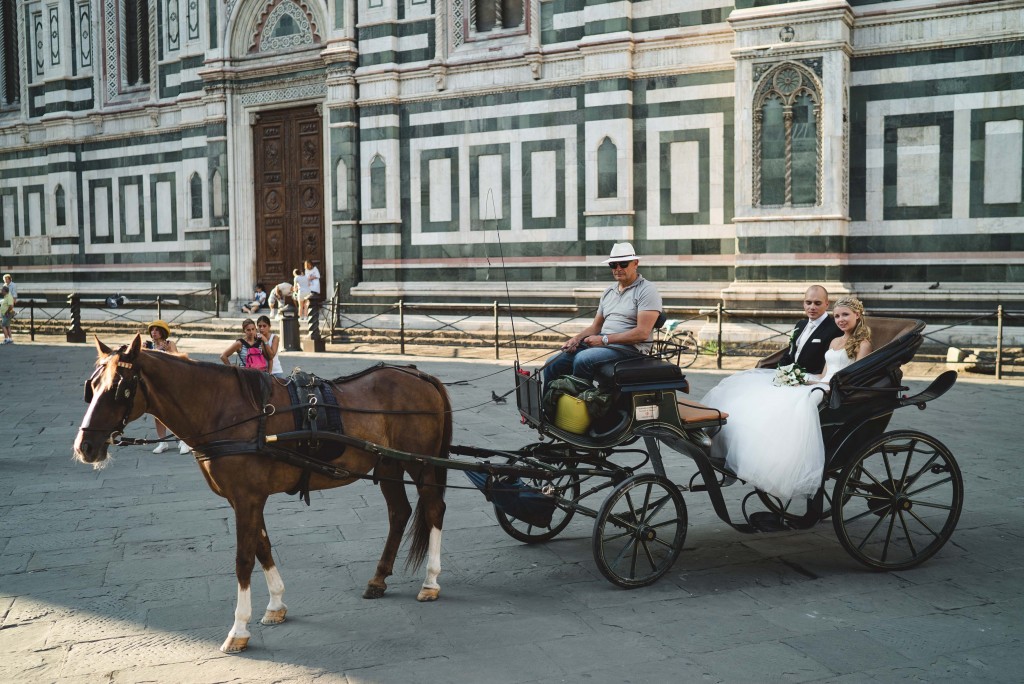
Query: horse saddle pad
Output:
(319,412)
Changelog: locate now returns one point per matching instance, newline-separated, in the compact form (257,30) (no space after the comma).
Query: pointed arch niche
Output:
(269,26)
(787,138)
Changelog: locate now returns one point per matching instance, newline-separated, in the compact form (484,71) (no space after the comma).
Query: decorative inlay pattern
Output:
(284,24)
(192,17)
(285,94)
(173,29)
(37,23)
(85,35)
(54,36)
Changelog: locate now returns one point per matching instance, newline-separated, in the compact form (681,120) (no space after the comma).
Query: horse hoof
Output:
(274,617)
(426,595)
(373,591)
(235,644)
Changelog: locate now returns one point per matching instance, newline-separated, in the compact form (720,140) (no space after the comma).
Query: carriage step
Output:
(766,521)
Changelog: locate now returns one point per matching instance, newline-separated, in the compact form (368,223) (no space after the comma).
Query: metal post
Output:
(314,341)
(718,351)
(216,300)
(999,342)
(334,310)
(75,332)
(159,309)
(32,320)
(401,327)
(497,344)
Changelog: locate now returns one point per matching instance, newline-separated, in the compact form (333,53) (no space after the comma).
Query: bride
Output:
(773,438)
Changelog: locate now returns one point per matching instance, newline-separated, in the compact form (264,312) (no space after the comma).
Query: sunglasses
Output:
(619,264)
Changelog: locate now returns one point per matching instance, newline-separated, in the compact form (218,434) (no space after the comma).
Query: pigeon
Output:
(887,287)
(496,399)
(934,286)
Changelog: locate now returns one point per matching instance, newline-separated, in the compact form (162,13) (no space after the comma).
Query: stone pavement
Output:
(126,574)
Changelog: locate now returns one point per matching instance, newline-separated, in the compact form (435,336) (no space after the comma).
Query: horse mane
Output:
(254,385)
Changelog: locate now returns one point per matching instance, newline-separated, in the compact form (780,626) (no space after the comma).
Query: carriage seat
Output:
(884,332)
(690,412)
(640,373)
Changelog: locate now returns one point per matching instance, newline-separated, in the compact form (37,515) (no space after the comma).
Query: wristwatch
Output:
(604,340)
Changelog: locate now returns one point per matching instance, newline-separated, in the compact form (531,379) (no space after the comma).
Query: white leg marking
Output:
(238,637)
(433,560)
(275,585)
(276,610)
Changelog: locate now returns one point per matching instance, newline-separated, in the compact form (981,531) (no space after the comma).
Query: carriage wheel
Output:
(639,531)
(566,487)
(898,502)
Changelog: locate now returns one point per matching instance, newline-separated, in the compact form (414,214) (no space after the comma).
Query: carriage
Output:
(894,497)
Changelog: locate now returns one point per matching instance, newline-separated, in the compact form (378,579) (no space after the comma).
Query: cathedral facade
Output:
(443,149)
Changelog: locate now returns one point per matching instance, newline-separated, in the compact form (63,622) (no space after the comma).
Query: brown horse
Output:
(394,407)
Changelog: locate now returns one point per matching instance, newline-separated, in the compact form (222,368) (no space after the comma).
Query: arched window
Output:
(135,42)
(491,15)
(195,186)
(10,68)
(378,183)
(787,138)
(341,185)
(58,198)
(217,194)
(607,169)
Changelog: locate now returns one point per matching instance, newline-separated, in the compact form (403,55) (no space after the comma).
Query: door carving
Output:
(289,192)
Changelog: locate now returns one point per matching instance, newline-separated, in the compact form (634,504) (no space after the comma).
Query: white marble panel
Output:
(341,186)
(917,166)
(34,200)
(440,171)
(684,176)
(7,210)
(100,211)
(490,185)
(164,201)
(1004,149)
(130,202)
(543,184)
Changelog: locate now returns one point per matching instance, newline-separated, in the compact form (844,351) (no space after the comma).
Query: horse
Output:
(204,403)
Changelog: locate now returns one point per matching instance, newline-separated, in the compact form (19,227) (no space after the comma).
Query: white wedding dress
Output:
(772,438)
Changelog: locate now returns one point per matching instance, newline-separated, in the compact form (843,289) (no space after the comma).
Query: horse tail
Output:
(420,541)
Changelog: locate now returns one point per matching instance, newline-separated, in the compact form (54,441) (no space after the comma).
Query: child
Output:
(259,298)
(301,292)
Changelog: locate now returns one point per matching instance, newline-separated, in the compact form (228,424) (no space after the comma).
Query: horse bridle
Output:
(125,387)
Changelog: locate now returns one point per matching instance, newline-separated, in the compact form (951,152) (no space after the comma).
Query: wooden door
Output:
(289,192)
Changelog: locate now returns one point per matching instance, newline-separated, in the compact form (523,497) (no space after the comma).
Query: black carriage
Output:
(894,497)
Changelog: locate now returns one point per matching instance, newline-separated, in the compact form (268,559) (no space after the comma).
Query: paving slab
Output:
(125,574)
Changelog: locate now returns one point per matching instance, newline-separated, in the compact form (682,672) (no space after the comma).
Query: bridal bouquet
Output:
(789,376)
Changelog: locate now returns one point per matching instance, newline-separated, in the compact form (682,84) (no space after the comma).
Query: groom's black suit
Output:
(812,355)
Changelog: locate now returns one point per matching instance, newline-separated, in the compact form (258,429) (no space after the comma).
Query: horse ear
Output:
(103,349)
(135,346)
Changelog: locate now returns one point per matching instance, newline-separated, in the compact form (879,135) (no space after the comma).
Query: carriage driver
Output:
(622,326)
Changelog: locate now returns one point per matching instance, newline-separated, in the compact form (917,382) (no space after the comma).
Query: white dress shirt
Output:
(807,332)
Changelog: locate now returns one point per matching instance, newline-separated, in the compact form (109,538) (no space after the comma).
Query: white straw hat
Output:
(622,251)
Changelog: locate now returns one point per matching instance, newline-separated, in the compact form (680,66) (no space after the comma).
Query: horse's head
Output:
(111,392)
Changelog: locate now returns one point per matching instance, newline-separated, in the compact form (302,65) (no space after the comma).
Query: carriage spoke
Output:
(929,504)
(865,471)
(931,486)
(906,531)
(888,534)
(650,558)
(870,532)
(923,523)
(673,521)
(913,478)
(647,501)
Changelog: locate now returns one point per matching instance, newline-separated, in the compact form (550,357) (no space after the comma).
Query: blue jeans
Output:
(584,361)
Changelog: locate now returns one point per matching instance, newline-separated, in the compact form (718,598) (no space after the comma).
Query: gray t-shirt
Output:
(620,309)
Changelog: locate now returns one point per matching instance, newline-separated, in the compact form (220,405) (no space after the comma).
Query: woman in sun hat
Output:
(159,340)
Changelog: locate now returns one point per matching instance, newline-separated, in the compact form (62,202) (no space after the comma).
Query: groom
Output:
(811,337)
